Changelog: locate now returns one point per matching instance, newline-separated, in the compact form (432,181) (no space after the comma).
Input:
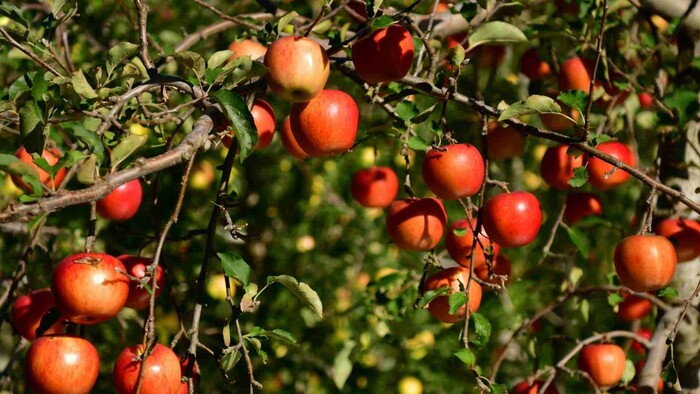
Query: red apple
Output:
(264,119)
(61,364)
(575,74)
(601,174)
(501,266)
(504,142)
(490,56)
(633,307)
(525,388)
(184,363)
(567,7)
(684,234)
(460,247)
(27,311)
(139,298)
(121,203)
(375,187)
(298,68)
(326,125)
(645,100)
(416,223)
(559,123)
(638,347)
(161,376)
(532,66)
(289,142)
(250,48)
(358,8)
(52,157)
(557,166)
(605,363)
(454,171)
(645,262)
(455,278)
(581,205)
(512,219)
(88,288)
(393,45)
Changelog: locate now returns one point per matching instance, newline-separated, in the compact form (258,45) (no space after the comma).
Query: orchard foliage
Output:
(536,134)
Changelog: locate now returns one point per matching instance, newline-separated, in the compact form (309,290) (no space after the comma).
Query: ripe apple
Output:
(557,166)
(504,142)
(61,364)
(121,203)
(139,298)
(454,171)
(633,307)
(575,74)
(358,7)
(684,234)
(27,311)
(638,347)
(264,120)
(289,142)
(184,363)
(52,157)
(250,48)
(604,362)
(599,172)
(645,100)
(490,56)
(88,289)
(581,205)
(326,125)
(559,123)
(455,278)
(375,187)
(532,66)
(161,376)
(298,68)
(460,247)
(645,262)
(416,223)
(534,388)
(393,45)
(501,266)
(512,219)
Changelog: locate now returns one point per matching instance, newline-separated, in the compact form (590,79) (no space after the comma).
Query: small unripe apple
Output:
(139,297)
(61,364)
(532,66)
(581,205)
(557,166)
(393,45)
(604,176)
(504,142)
(248,47)
(461,247)
(298,68)
(289,142)
(645,262)
(264,121)
(512,219)
(121,203)
(453,171)
(455,278)
(162,373)
(684,234)
(27,311)
(52,157)
(375,187)
(416,223)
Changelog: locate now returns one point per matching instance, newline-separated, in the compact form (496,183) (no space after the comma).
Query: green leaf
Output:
(31,127)
(685,103)
(614,299)
(456,55)
(382,22)
(406,110)
(498,388)
(39,87)
(305,293)
(580,177)
(191,61)
(14,166)
(285,20)
(236,111)
(281,335)
(669,292)
(88,171)
(577,99)
(417,143)
(430,295)
(342,365)
(373,7)
(578,239)
(481,329)
(82,86)
(585,308)
(460,232)
(235,267)
(424,115)
(457,300)
(56,6)
(226,333)
(229,360)
(126,147)
(534,104)
(496,32)
(121,51)
(218,58)
(466,356)
(629,373)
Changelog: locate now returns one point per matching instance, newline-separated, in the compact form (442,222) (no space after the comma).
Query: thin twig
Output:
(599,50)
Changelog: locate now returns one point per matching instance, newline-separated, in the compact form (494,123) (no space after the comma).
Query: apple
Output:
(139,298)
(460,247)
(633,307)
(121,203)
(455,278)
(326,125)
(358,7)
(581,205)
(575,74)
(393,45)
(264,120)
(604,362)
(684,234)
(645,100)
(185,362)
(454,171)
(638,347)
(88,288)
(203,175)
(645,262)
(161,376)
(559,123)
(504,142)
(532,66)
(375,187)
(601,174)
(525,388)
(416,223)
(501,266)
(298,68)
(61,364)
(512,219)
(27,311)
(410,385)
(557,166)
(52,157)
(490,56)
(248,47)
(289,142)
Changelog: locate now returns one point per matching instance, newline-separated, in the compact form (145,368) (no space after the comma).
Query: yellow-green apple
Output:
(298,68)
